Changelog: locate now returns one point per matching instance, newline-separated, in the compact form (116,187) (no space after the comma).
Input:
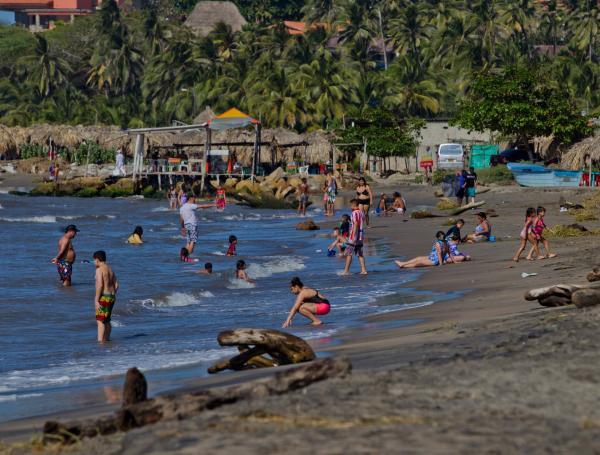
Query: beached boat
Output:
(534,175)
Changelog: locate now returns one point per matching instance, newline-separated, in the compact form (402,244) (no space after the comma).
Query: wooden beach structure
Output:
(198,163)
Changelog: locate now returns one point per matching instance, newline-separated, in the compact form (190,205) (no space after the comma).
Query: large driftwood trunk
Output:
(564,294)
(464,208)
(185,405)
(282,349)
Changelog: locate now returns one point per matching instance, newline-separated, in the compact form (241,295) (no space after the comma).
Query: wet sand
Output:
(486,371)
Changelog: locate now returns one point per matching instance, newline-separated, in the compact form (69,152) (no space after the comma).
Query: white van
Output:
(450,156)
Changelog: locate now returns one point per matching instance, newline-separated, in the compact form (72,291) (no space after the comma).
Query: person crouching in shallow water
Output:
(310,303)
(106,293)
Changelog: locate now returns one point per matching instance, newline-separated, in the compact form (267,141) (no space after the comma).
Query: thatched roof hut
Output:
(204,116)
(207,14)
(574,157)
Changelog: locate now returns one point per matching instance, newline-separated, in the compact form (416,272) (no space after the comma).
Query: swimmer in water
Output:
(310,303)
(207,270)
(240,272)
(232,245)
(184,255)
(136,237)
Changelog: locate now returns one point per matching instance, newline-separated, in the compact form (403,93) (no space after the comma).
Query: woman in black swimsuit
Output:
(309,303)
(364,197)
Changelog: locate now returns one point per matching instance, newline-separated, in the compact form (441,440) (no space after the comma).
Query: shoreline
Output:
(483,301)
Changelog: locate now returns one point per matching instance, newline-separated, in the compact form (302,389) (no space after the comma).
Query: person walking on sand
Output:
(303,190)
(106,294)
(120,163)
(189,222)
(471,186)
(310,303)
(364,197)
(537,230)
(66,255)
(526,234)
(354,246)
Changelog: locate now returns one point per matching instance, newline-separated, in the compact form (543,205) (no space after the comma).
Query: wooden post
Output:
(87,162)
(365,156)
(206,154)
(256,154)
(138,158)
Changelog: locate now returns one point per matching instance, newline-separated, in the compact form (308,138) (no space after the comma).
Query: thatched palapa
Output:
(207,14)
(575,156)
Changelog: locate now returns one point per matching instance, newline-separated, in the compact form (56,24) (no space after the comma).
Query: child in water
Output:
(136,237)
(207,270)
(345,226)
(232,245)
(240,272)
(339,242)
(184,255)
(382,207)
(221,199)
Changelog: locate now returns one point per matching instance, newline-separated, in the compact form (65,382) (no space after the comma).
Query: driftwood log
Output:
(253,344)
(185,405)
(464,208)
(565,294)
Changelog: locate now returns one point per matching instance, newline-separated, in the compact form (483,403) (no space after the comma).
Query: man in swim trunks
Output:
(354,245)
(309,303)
(189,222)
(303,190)
(66,255)
(106,293)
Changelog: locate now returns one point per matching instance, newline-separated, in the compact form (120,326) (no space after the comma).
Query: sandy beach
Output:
(484,371)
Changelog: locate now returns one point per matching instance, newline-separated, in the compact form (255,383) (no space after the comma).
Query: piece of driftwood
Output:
(185,405)
(559,294)
(464,208)
(282,349)
(586,297)
(594,275)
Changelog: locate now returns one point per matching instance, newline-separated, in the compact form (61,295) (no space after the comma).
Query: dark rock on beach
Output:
(308,225)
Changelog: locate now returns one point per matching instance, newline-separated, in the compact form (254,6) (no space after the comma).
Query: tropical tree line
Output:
(408,58)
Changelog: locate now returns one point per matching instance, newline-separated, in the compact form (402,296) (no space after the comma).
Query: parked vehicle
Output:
(450,156)
(512,155)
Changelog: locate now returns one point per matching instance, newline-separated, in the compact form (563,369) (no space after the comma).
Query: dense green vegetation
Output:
(140,69)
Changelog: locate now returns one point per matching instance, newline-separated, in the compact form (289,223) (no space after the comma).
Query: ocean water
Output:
(167,317)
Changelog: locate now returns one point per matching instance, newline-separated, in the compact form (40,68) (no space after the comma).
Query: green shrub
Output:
(111,191)
(439,174)
(148,191)
(496,174)
(87,192)
(97,155)
(31,151)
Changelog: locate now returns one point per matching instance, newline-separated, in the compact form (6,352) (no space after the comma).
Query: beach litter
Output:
(526,275)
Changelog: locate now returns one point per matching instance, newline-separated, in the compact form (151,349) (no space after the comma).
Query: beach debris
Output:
(563,294)
(525,274)
(420,214)
(446,204)
(491,213)
(282,349)
(586,297)
(308,225)
(464,208)
(594,275)
(135,389)
(438,193)
(180,406)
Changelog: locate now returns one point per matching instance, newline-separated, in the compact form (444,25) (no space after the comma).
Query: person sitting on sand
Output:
(382,207)
(240,272)
(184,256)
(456,255)
(399,204)
(310,303)
(454,231)
(136,237)
(483,230)
(232,245)
(440,255)
(207,270)
(537,229)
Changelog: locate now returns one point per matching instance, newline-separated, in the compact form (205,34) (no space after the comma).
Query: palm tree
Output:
(585,22)
(517,16)
(323,11)
(410,32)
(47,71)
